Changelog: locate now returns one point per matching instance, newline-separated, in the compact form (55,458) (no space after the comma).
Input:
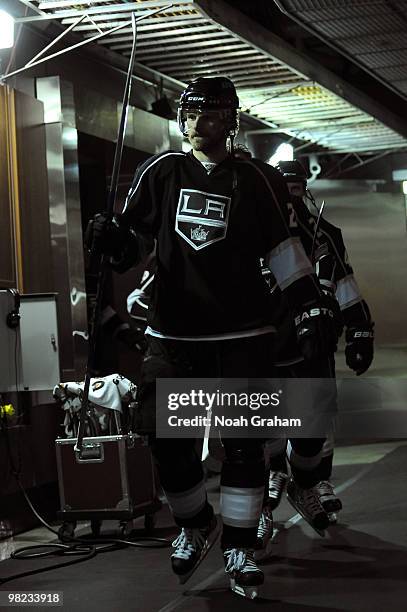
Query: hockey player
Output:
(212,218)
(304,453)
(336,277)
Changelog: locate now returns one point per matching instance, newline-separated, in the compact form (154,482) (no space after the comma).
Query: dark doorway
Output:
(95,157)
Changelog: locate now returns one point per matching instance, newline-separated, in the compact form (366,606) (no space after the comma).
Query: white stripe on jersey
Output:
(139,296)
(288,262)
(347,292)
(187,504)
(134,189)
(228,336)
(241,507)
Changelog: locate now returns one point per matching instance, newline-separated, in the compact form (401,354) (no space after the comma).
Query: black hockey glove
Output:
(120,243)
(104,235)
(359,347)
(134,339)
(316,334)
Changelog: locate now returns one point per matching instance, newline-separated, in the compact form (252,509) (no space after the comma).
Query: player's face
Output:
(296,189)
(206,129)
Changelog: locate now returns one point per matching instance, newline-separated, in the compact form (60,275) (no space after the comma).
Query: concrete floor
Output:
(359,566)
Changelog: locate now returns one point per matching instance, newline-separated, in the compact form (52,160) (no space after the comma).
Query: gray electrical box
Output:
(10,344)
(39,342)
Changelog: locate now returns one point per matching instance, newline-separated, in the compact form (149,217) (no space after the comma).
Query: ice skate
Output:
(277,483)
(264,535)
(245,577)
(306,502)
(330,502)
(191,547)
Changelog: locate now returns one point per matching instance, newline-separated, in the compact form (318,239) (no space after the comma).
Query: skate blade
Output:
(213,537)
(320,532)
(249,592)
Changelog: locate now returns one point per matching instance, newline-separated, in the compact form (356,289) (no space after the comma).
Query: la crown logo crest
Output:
(199,234)
(202,218)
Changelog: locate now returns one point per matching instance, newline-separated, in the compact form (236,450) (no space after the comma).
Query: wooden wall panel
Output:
(33,195)
(7,246)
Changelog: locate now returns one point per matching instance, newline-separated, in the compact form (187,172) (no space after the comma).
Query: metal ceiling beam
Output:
(179,40)
(156,28)
(96,10)
(272,71)
(304,110)
(239,56)
(227,67)
(164,32)
(49,4)
(32,63)
(267,41)
(31,6)
(353,122)
(203,50)
(274,90)
(338,48)
(367,150)
(156,23)
(299,105)
(362,163)
(258,80)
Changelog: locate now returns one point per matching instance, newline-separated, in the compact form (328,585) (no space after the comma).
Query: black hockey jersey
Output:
(329,238)
(211,230)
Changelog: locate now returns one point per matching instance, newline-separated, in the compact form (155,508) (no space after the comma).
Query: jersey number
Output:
(291,213)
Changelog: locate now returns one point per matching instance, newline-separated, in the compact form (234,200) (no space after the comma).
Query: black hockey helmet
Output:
(210,93)
(292,170)
(295,176)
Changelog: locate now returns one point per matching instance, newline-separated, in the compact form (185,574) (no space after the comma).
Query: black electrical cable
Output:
(74,546)
(87,549)
(92,551)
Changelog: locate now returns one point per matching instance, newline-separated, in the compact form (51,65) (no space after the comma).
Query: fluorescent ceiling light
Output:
(405,187)
(6,30)
(284,152)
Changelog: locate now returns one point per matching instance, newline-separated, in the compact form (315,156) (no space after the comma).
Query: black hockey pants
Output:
(179,465)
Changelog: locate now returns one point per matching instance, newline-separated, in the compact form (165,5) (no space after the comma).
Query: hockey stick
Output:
(316,232)
(95,322)
(330,368)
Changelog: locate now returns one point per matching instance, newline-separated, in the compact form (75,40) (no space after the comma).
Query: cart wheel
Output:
(150,522)
(95,525)
(125,528)
(67,531)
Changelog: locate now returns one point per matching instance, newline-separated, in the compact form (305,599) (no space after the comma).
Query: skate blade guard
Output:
(248,592)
